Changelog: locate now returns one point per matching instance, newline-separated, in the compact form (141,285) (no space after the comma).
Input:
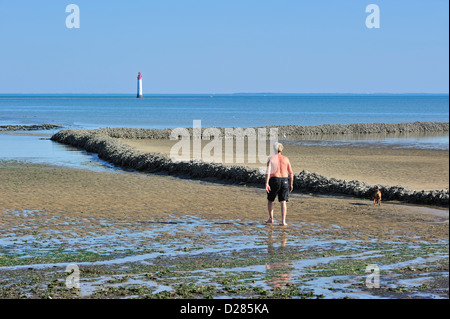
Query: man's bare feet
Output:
(269,221)
(284,224)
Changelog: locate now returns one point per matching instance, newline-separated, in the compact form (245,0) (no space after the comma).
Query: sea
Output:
(92,111)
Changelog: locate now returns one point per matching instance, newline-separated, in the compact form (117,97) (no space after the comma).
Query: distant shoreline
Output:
(237,94)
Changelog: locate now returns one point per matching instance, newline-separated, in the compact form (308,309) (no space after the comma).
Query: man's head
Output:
(278,147)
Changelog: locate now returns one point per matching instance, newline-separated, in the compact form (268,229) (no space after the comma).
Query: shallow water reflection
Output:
(278,274)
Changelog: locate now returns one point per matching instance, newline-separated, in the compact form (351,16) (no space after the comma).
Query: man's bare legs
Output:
(270,209)
(283,212)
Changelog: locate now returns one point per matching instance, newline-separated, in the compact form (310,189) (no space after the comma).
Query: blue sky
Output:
(218,46)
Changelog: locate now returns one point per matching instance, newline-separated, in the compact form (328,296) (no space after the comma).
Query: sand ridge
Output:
(417,169)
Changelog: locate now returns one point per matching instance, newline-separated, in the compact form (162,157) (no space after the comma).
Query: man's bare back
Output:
(279,166)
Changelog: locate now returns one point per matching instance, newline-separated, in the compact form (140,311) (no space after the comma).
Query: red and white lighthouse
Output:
(139,86)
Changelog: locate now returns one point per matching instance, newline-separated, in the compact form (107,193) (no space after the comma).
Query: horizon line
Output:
(243,93)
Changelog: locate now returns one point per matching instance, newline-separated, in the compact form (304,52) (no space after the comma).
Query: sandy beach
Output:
(140,196)
(145,235)
(413,168)
(153,235)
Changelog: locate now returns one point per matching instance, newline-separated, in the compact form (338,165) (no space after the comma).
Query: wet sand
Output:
(138,235)
(143,235)
(146,197)
(415,169)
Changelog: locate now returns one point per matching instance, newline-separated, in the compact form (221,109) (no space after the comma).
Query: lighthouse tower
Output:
(139,86)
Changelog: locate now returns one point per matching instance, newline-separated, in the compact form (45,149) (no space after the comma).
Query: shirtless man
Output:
(279,181)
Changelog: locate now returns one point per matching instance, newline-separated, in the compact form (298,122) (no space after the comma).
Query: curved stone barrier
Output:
(294,131)
(28,127)
(104,142)
(313,182)
(365,128)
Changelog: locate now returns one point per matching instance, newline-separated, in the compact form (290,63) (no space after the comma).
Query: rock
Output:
(29,127)
(104,142)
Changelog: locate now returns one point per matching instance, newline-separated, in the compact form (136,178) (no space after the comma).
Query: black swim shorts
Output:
(278,186)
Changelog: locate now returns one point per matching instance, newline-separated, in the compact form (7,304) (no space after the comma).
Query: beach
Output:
(135,142)
(412,168)
(131,196)
(137,234)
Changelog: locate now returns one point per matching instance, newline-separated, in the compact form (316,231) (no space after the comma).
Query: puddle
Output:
(260,256)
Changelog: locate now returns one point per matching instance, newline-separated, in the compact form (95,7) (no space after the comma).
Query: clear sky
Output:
(224,46)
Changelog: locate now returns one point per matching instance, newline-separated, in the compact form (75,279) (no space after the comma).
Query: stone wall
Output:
(28,127)
(104,142)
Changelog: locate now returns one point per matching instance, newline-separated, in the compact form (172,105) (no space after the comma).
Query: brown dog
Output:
(376,197)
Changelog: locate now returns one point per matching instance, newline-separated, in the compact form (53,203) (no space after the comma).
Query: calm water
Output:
(170,111)
(40,149)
